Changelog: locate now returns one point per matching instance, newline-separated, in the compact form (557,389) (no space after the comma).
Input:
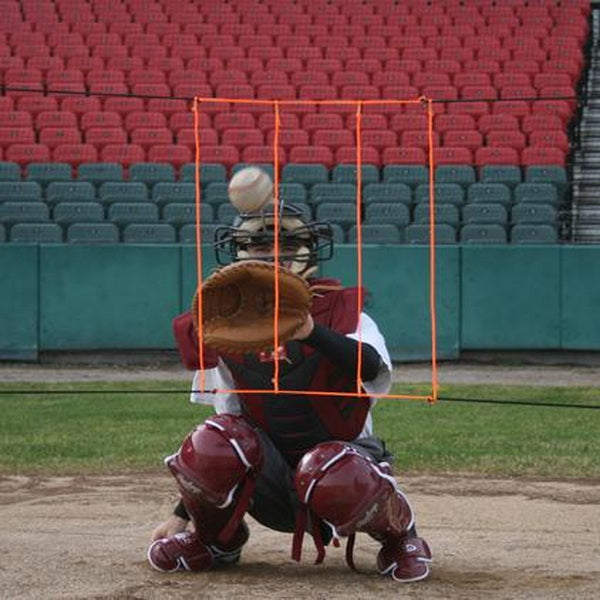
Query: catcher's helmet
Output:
(302,243)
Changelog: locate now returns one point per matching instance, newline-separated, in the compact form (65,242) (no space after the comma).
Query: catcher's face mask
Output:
(302,244)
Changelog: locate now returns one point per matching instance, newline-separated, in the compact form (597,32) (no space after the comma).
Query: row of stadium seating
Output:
(163,233)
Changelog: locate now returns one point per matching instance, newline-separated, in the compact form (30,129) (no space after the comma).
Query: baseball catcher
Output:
(297,462)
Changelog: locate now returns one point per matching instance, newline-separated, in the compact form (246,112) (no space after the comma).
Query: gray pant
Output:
(275,502)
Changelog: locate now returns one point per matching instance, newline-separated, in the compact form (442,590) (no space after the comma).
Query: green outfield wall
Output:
(70,298)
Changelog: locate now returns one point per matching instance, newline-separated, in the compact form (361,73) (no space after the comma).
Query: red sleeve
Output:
(187,343)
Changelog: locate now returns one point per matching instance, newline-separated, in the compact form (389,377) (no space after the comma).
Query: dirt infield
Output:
(78,537)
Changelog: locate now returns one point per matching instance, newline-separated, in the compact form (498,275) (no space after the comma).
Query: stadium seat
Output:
(20,191)
(16,212)
(530,213)
(542,155)
(209,173)
(347,174)
(216,193)
(329,192)
(44,173)
(93,233)
(98,173)
(411,175)
(226,213)
(384,233)
(419,234)
(124,213)
(496,155)
(483,233)
(125,154)
(293,193)
(387,192)
(70,191)
(27,153)
(10,171)
(151,173)
(498,193)
(544,193)
(187,233)
(66,213)
(554,174)
(149,233)
(404,156)
(75,154)
(2,234)
(165,192)
(340,213)
(508,174)
(461,174)
(267,167)
(36,233)
(306,174)
(512,139)
(182,213)
(445,193)
(533,234)
(379,213)
(485,213)
(443,213)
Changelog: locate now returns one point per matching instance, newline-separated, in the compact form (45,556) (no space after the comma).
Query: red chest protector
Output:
(295,422)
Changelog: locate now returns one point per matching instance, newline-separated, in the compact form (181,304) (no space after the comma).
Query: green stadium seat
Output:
(187,234)
(339,236)
(385,233)
(483,233)
(443,213)
(163,193)
(20,191)
(347,174)
(548,174)
(36,233)
(533,234)
(330,192)
(226,213)
(533,213)
(484,213)
(498,193)
(209,173)
(306,174)
(216,193)
(144,233)
(304,208)
(124,213)
(10,171)
(71,191)
(2,234)
(411,175)
(98,173)
(387,192)
(416,233)
(151,173)
(182,213)
(123,191)
(45,173)
(462,174)
(544,193)
(508,174)
(267,167)
(445,193)
(15,212)
(78,212)
(379,213)
(340,213)
(93,233)
(292,192)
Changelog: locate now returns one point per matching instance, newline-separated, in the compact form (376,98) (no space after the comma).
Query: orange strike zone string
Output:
(198,191)
(359,298)
(276,246)
(432,261)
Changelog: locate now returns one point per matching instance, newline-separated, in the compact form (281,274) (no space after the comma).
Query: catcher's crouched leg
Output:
(215,468)
(352,492)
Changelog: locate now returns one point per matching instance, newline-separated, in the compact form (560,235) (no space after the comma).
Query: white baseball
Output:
(250,190)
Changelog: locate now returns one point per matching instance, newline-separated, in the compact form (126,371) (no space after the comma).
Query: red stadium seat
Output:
(124,105)
(542,155)
(262,154)
(287,120)
(75,154)
(262,77)
(517,108)
(332,138)
(342,78)
(27,153)
(221,154)
(16,135)
(224,121)
(100,119)
(55,136)
(16,118)
(228,76)
(241,138)
(453,155)
(471,78)
(446,122)
(347,154)
(359,92)
(151,136)
(403,122)
(503,122)
(125,154)
(56,118)
(311,155)
(276,92)
(466,138)
(187,137)
(176,155)
(404,156)
(496,156)
(543,122)
(559,108)
(137,119)
(317,92)
(368,121)
(285,65)
(379,138)
(314,121)
(102,136)
(288,138)
(556,138)
(478,92)
(513,139)
(418,138)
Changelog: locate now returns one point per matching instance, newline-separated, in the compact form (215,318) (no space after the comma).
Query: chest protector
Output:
(296,423)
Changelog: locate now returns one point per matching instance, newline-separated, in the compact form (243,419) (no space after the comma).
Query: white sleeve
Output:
(218,378)
(369,333)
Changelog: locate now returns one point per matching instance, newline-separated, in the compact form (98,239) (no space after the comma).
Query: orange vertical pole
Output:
(359,240)
(276,246)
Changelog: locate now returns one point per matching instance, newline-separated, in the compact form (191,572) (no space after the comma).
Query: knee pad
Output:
(350,491)
(216,468)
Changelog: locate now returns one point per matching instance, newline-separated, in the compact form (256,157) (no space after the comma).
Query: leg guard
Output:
(352,493)
(216,469)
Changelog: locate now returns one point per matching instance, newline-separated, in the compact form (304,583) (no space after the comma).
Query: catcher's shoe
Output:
(405,560)
(186,552)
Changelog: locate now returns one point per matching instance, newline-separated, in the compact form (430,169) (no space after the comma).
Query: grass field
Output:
(110,432)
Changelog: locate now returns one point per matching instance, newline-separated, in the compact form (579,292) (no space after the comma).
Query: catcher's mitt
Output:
(238,303)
